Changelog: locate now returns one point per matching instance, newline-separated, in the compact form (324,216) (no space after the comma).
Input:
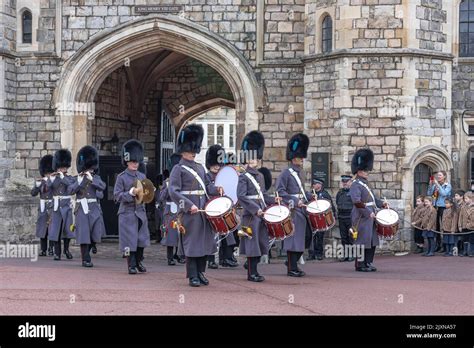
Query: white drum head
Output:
(228,178)
(276,213)
(387,217)
(218,206)
(318,206)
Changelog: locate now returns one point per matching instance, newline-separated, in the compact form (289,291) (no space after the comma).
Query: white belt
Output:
(195,192)
(57,199)
(43,204)
(253,197)
(297,195)
(85,203)
(173,207)
(370,204)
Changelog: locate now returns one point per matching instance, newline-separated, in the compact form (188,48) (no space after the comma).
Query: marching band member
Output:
(344,210)
(365,205)
(253,198)
(88,188)
(61,217)
(43,188)
(318,238)
(170,237)
(134,236)
(189,188)
(290,187)
(215,159)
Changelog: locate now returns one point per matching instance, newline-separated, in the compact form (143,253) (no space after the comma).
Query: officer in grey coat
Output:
(61,217)
(89,188)
(190,189)
(253,200)
(215,160)
(134,235)
(364,210)
(43,188)
(170,235)
(344,211)
(290,186)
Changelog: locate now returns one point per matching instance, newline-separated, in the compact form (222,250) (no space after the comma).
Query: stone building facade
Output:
(349,73)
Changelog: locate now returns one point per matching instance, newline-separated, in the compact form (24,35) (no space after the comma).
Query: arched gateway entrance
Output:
(109,88)
(84,72)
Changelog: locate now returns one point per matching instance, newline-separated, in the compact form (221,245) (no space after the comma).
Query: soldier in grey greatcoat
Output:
(290,186)
(365,208)
(215,160)
(89,188)
(134,235)
(190,189)
(43,188)
(61,217)
(253,199)
(170,238)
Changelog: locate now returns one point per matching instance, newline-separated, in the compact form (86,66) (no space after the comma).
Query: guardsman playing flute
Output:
(89,188)
(43,188)
(61,217)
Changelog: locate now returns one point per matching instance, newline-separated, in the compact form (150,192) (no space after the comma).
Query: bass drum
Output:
(228,179)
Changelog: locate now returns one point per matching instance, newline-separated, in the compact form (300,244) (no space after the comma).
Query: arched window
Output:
(326,34)
(26,27)
(466,28)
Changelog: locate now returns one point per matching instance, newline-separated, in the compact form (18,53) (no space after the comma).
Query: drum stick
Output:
(208,211)
(272,214)
(278,201)
(384,221)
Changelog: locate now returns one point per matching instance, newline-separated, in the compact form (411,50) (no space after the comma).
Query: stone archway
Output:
(84,72)
(435,157)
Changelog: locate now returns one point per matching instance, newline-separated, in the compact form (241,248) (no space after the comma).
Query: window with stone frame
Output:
(466,28)
(326,34)
(27,27)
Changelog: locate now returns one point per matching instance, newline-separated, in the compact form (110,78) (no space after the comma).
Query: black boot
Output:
(132,263)
(140,266)
(252,273)
(192,271)
(94,247)
(86,258)
(57,250)
(66,249)
(465,250)
(211,262)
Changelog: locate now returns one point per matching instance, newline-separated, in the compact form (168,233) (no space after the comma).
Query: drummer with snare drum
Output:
(253,199)
(190,189)
(290,187)
(365,209)
(320,192)
(215,160)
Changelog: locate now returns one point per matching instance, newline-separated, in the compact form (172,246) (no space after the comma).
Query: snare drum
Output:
(221,215)
(386,223)
(320,215)
(277,218)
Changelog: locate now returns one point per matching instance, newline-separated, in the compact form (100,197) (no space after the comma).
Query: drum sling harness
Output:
(197,177)
(257,187)
(298,181)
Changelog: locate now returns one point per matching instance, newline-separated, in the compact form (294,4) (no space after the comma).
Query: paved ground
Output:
(411,285)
